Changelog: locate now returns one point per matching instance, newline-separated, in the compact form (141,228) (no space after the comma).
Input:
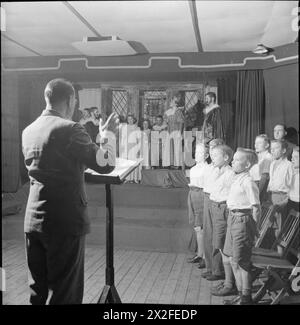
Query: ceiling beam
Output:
(81,18)
(18,43)
(193,10)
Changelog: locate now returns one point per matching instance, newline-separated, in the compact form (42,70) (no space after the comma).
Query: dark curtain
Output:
(227,102)
(250,108)
(282,97)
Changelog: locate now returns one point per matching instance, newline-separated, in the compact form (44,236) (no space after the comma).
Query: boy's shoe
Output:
(205,274)
(218,286)
(202,264)
(246,300)
(215,277)
(195,259)
(234,301)
(223,291)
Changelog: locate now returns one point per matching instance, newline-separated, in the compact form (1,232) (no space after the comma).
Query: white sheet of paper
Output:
(122,166)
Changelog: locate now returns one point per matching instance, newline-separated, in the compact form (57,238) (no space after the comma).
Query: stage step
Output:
(139,195)
(145,218)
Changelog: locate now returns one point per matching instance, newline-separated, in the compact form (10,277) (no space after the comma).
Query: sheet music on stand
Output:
(123,168)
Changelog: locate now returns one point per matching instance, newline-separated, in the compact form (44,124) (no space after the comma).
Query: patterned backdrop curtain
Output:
(250,107)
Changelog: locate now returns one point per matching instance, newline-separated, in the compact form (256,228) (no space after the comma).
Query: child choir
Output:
(224,205)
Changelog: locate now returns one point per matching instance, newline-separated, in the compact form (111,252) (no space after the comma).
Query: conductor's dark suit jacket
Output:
(56,153)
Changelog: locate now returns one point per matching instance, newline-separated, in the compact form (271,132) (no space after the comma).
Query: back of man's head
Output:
(58,91)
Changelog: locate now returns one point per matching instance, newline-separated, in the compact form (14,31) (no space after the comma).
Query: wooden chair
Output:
(280,274)
(285,239)
(266,222)
(276,270)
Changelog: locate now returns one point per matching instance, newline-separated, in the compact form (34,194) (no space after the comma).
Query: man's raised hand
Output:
(111,124)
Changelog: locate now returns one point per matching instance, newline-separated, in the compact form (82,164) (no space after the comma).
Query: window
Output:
(153,104)
(120,102)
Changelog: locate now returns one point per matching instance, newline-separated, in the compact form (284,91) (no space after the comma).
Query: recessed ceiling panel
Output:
(161,26)
(46,27)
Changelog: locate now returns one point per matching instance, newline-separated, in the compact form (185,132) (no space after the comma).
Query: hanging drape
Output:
(282,96)
(227,102)
(250,108)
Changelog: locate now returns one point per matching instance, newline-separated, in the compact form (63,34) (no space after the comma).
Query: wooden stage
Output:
(140,277)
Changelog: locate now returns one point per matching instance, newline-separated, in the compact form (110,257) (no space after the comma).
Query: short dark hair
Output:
(211,95)
(58,90)
(159,116)
(146,120)
(133,117)
(281,124)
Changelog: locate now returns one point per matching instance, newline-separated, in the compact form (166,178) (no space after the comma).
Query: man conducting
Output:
(57,151)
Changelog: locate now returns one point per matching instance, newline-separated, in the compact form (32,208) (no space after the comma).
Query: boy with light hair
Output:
(260,171)
(281,178)
(244,213)
(221,157)
(195,201)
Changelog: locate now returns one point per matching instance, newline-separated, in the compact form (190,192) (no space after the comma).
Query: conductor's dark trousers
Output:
(56,268)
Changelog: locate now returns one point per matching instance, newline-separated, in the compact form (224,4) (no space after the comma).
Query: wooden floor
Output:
(140,277)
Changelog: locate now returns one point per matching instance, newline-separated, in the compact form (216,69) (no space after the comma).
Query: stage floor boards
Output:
(140,277)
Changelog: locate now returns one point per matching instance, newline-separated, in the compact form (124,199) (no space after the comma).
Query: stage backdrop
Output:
(282,97)
(250,108)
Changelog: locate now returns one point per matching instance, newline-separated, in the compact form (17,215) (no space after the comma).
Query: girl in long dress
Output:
(174,117)
(130,143)
(160,156)
(145,144)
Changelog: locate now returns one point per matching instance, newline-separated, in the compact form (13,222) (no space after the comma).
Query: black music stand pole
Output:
(109,293)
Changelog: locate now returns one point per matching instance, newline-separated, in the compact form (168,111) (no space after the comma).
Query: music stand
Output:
(123,168)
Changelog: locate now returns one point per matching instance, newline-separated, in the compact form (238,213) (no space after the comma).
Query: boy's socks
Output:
(246,292)
(199,237)
(229,276)
(246,300)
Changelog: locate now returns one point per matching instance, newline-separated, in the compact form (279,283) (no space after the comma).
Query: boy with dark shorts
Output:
(281,179)
(214,265)
(195,201)
(244,212)
(221,157)
(294,196)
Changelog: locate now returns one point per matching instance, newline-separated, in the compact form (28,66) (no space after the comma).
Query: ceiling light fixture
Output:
(104,46)
(262,49)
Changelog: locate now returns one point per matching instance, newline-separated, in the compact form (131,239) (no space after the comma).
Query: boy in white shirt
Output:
(293,202)
(244,212)
(260,171)
(214,265)
(281,178)
(280,133)
(195,201)
(221,157)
